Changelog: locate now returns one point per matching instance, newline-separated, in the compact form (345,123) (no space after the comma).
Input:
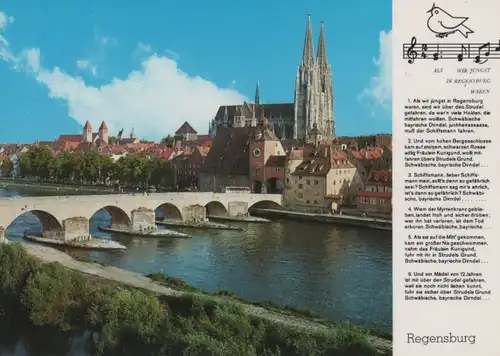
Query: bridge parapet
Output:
(67,217)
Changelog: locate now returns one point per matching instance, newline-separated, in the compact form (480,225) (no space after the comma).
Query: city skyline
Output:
(98,74)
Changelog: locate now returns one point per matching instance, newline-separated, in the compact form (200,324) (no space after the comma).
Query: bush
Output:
(132,322)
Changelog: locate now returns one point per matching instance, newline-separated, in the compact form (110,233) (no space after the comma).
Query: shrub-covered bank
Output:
(133,322)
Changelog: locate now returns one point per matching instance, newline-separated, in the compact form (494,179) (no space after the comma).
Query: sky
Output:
(150,66)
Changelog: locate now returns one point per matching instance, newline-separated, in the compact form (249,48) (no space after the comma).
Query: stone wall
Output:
(194,213)
(75,229)
(2,234)
(143,219)
(237,208)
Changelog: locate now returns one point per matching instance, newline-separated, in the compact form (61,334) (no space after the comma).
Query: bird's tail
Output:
(464,30)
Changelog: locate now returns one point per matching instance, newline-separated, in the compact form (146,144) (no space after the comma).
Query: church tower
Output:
(313,100)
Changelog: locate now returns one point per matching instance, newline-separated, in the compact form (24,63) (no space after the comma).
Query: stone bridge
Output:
(68,217)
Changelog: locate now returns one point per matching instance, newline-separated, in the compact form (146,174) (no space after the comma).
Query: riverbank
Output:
(348,220)
(115,310)
(53,187)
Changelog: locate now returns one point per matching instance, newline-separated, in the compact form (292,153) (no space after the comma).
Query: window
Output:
(316,182)
(373,201)
(316,194)
(288,180)
(308,182)
(382,201)
(315,202)
(307,201)
(300,195)
(301,186)
(364,200)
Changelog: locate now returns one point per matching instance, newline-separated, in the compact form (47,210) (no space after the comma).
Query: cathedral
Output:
(313,100)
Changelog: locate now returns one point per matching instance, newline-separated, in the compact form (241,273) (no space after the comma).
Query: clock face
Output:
(256,152)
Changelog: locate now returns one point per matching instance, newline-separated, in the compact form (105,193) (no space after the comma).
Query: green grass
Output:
(134,322)
(180,284)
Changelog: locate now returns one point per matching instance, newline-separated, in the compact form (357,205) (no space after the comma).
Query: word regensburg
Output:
(479,52)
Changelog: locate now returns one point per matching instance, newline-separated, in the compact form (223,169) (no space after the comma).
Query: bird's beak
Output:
(432,8)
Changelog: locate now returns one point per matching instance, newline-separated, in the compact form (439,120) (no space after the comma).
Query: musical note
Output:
(483,52)
(411,53)
(424,51)
(463,51)
(485,47)
(436,54)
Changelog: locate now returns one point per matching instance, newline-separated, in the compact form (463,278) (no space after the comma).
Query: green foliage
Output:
(6,168)
(92,167)
(132,322)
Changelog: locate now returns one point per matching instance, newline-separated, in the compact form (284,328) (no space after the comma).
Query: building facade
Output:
(313,100)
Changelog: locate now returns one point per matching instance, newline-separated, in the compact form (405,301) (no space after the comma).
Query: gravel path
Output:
(49,254)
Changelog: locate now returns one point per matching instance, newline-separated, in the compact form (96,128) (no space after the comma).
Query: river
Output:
(341,273)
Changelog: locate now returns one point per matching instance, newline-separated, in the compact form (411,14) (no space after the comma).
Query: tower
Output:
(313,99)
(87,133)
(103,132)
(327,121)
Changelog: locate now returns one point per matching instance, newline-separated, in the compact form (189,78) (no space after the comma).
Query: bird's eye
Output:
(436,12)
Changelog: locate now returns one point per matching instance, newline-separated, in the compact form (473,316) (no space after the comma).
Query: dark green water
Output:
(343,274)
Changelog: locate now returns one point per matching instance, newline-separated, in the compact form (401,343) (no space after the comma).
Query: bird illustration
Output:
(443,24)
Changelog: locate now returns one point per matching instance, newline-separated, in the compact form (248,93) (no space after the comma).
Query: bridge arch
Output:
(215,208)
(168,211)
(264,204)
(119,218)
(36,222)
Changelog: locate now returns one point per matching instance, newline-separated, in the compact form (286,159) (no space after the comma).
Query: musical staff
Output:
(479,53)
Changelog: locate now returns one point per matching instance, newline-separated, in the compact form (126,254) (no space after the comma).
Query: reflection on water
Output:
(344,274)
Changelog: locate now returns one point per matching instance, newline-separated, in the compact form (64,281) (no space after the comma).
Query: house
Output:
(187,166)
(377,194)
(87,135)
(187,132)
(238,157)
(323,180)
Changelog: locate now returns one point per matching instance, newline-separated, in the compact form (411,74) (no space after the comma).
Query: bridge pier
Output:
(237,208)
(76,229)
(73,229)
(194,213)
(143,219)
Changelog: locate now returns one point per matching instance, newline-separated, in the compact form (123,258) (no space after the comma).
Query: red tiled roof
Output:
(379,178)
(70,138)
(369,194)
(276,161)
(4,158)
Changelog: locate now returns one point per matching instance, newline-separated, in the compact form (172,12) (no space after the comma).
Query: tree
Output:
(41,161)
(168,141)
(6,168)
(65,164)
(107,168)
(91,166)
(162,172)
(112,139)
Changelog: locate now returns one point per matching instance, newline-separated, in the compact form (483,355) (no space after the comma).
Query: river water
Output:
(341,273)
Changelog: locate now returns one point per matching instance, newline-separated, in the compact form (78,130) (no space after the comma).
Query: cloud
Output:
(154,99)
(380,89)
(4,45)
(86,64)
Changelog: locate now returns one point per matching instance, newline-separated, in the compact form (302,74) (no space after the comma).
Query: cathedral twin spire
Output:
(308,54)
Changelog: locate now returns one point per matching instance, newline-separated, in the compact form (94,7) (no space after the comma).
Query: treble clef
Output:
(411,53)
